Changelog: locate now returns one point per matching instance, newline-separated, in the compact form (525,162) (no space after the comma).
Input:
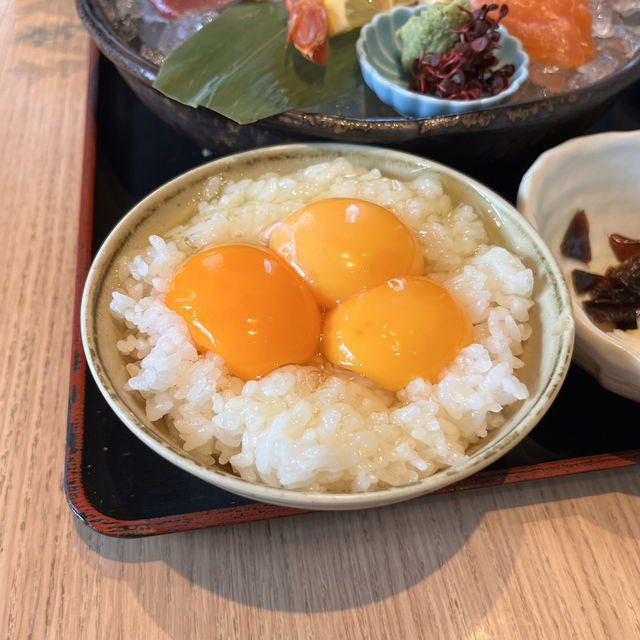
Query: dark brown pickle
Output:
(575,243)
(630,274)
(623,247)
(611,287)
(615,296)
(583,281)
(614,301)
(620,315)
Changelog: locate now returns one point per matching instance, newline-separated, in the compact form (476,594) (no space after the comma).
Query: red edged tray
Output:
(118,487)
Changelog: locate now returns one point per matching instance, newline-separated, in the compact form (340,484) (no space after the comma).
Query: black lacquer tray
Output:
(118,486)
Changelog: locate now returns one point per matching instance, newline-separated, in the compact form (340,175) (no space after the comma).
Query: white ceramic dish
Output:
(547,353)
(600,174)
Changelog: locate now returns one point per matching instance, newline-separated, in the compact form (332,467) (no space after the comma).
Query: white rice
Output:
(301,427)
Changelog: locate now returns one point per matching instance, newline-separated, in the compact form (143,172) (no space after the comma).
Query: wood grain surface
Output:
(556,558)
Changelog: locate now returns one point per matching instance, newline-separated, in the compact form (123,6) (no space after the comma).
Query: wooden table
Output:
(554,558)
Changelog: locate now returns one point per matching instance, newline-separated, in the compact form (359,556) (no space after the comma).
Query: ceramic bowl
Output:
(600,174)
(379,49)
(547,353)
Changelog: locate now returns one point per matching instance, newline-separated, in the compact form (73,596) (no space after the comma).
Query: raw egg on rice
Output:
(406,328)
(342,245)
(248,305)
(260,308)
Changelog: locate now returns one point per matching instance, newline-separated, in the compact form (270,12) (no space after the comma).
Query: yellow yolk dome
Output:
(248,305)
(343,245)
(406,328)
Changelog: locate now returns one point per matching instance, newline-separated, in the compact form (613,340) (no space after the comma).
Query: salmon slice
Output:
(553,32)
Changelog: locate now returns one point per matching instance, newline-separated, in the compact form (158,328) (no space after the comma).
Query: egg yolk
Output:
(248,305)
(406,328)
(342,245)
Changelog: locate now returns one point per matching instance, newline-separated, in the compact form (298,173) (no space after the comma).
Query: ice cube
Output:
(179,30)
(150,32)
(602,26)
(598,68)
(129,9)
(550,76)
(152,55)
(624,43)
(147,12)
(623,5)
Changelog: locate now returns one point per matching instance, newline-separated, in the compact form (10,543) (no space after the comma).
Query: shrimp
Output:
(307,28)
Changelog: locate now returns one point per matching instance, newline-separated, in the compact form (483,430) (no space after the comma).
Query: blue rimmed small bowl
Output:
(378,49)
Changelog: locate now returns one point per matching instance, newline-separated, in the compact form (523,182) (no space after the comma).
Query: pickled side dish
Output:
(614,297)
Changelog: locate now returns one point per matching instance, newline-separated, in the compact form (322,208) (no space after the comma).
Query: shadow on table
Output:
(323,562)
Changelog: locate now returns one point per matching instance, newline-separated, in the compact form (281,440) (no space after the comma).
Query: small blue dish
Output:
(378,51)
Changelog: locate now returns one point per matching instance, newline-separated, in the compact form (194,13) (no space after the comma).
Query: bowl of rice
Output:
(308,435)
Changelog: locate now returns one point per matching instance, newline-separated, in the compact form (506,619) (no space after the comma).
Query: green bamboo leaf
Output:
(238,65)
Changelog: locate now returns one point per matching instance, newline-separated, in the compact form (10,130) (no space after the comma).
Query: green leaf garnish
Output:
(238,66)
